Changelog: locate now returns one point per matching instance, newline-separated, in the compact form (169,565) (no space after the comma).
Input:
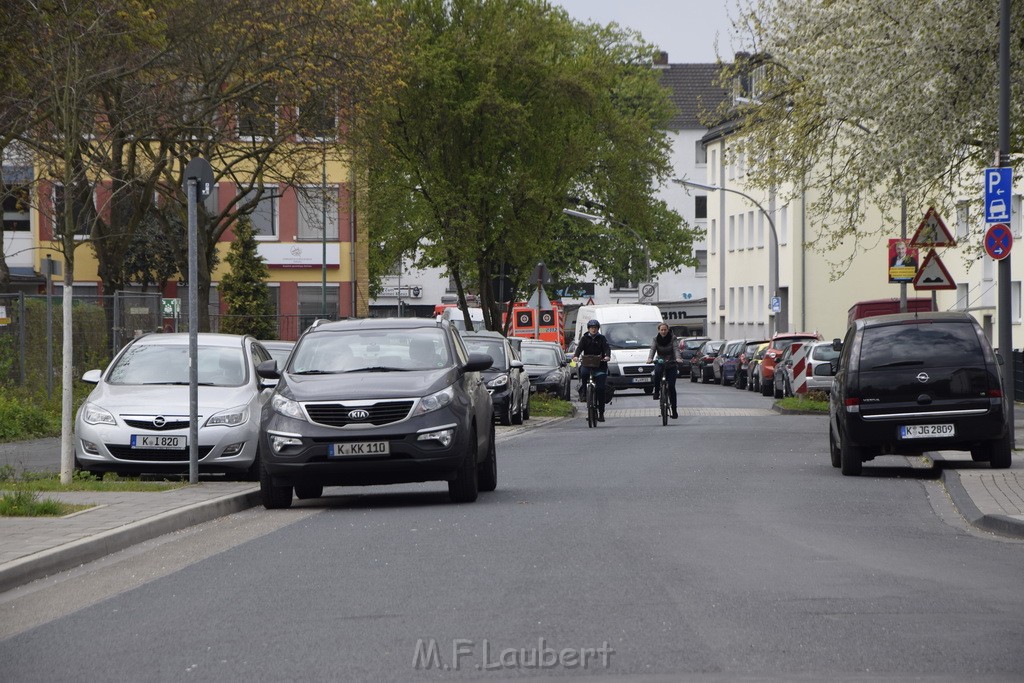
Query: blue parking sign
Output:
(998,189)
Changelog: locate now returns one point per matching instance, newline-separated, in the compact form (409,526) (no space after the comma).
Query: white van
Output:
(629,329)
(454,313)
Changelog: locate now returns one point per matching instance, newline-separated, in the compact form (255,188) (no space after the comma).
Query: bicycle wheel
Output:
(591,405)
(664,403)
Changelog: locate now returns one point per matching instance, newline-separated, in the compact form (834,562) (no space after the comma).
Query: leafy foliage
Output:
(865,103)
(506,108)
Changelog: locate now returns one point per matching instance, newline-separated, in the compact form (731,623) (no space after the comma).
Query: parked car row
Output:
(763,365)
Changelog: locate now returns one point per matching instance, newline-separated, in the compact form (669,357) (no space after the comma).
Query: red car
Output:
(776,347)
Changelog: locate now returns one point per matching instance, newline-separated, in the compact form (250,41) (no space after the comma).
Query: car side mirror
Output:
(93,376)
(268,370)
(478,362)
(837,344)
(516,365)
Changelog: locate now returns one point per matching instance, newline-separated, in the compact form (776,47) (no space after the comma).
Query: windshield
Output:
(218,366)
(369,350)
(630,335)
(533,355)
(495,348)
(693,344)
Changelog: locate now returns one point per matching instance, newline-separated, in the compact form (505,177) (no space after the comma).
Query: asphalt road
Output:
(723,546)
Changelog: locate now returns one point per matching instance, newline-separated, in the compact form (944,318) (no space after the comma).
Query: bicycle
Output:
(663,392)
(592,363)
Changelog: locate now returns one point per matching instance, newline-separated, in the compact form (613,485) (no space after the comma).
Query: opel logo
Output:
(922,377)
(358,414)
(159,421)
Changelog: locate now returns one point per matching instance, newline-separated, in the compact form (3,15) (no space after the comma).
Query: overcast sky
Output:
(686,29)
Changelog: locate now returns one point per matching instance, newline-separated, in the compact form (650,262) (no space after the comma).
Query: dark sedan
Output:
(547,367)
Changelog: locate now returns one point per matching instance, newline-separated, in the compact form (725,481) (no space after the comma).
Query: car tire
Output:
(487,471)
(766,389)
(998,454)
(464,488)
(307,491)
(648,390)
(850,461)
(693,377)
(704,376)
(778,393)
(274,497)
(526,409)
(506,416)
(516,418)
(833,449)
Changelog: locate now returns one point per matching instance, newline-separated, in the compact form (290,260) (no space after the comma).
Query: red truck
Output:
(865,309)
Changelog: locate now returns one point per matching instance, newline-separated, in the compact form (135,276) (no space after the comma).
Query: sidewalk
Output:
(35,547)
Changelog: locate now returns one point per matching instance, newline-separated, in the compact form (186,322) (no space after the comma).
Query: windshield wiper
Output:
(377,368)
(317,372)
(898,363)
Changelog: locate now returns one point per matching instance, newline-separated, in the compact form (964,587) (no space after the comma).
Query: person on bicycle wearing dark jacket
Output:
(666,348)
(592,344)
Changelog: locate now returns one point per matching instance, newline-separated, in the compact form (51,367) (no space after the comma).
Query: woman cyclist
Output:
(666,348)
(593,343)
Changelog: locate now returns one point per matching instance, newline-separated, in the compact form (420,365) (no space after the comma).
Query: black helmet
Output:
(593,323)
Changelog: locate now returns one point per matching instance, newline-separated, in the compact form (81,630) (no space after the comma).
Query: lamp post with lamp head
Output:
(773,256)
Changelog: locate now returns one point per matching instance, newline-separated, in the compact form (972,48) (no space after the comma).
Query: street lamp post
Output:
(600,219)
(773,257)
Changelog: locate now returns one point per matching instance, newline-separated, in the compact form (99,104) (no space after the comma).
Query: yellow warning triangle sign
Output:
(932,232)
(933,274)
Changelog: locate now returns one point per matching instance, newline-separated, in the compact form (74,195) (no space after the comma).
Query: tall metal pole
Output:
(323,235)
(49,326)
(192,185)
(903,235)
(1005,276)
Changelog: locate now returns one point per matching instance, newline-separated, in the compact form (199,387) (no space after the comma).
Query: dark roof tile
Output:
(694,91)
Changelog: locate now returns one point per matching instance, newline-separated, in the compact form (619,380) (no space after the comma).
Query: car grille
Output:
(337,414)
(166,426)
(154,454)
(637,370)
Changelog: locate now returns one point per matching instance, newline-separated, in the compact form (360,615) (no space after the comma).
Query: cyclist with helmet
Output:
(666,348)
(594,344)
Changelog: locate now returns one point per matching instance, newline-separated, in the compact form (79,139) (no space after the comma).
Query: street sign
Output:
(933,274)
(170,307)
(932,232)
(648,293)
(776,304)
(998,186)
(200,170)
(998,241)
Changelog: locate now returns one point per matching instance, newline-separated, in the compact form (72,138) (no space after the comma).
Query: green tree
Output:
(865,102)
(244,289)
(506,108)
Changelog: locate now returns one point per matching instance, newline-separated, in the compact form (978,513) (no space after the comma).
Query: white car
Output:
(818,361)
(136,420)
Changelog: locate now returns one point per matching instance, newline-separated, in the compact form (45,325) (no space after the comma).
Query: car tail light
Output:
(852,405)
(995,393)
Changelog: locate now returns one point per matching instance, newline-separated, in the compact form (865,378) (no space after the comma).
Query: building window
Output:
(741,232)
(784,224)
(1015,302)
(627,283)
(700,153)
(257,115)
(312,208)
(714,164)
(714,234)
(741,308)
(83,218)
(963,217)
(318,118)
(760,230)
(750,230)
(700,207)
(702,261)
(962,293)
(731,244)
(311,303)
(16,216)
(264,216)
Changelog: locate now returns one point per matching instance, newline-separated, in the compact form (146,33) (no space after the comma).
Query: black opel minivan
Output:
(915,382)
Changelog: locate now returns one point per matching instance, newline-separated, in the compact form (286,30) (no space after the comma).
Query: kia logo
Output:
(159,421)
(358,414)
(922,377)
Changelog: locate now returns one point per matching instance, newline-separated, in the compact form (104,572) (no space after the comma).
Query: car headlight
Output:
(287,407)
(231,417)
(499,381)
(94,415)
(429,404)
